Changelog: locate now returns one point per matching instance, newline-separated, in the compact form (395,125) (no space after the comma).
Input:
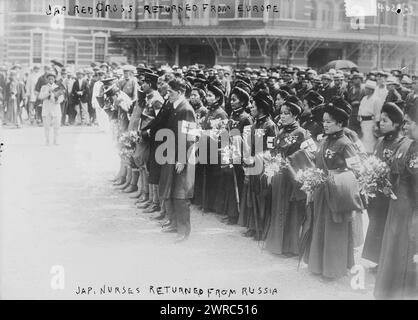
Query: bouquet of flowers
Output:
(373,177)
(230,154)
(217,126)
(310,178)
(272,164)
(127,143)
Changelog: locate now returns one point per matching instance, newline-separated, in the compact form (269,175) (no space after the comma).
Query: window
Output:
(37,47)
(382,14)
(126,14)
(71,51)
(100,8)
(38,6)
(414,25)
(314,11)
(242,6)
(71,7)
(153,15)
(288,9)
(99,48)
(20,6)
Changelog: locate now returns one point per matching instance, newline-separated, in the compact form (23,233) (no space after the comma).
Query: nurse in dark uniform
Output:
(397,267)
(331,251)
(230,187)
(212,172)
(391,120)
(288,201)
(256,194)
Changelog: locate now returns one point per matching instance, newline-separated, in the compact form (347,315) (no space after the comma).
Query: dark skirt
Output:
(255,212)
(377,212)
(286,217)
(226,199)
(212,177)
(397,273)
(331,251)
(246,205)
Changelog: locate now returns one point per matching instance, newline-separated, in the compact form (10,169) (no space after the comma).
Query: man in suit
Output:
(177,175)
(91,79)
(30,91)
(62,83)
(80,95)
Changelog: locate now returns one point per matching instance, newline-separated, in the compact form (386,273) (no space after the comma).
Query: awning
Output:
(285,33)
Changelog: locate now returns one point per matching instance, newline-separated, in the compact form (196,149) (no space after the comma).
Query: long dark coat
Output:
(288,201)
(255,209)
(331,250)
(397,273)
(212,173)
(378,208)
(175,185)
(226,199)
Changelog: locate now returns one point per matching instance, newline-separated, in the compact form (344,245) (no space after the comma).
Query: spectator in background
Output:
(51,96)
(80,97)
(354,95)
(369,115)
(91,79)
(393,95)
(224,80)
(11,96)
(68,83)
(381,90)
(42,80)
(31,93)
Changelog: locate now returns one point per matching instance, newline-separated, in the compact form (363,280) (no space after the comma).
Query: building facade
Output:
(76,36)
(297,32)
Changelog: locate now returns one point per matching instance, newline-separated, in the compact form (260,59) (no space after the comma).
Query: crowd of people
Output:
(332,121)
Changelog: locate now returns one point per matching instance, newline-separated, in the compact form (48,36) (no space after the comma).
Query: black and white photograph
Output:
(208,150)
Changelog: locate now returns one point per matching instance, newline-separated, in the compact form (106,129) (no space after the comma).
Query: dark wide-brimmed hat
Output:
(217,91)
(241,94)
(317,112)
(338,108)
(142,71)
(295,109)
(201,78)
(151,78)
(263,101)
(283,93)
(393,111)
(295,100)
(51,74)
(243,85)
(313,98)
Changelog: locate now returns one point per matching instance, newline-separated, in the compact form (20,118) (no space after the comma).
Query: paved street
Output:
(58,209)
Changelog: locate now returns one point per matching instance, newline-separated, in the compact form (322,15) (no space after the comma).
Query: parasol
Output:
(339,64)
